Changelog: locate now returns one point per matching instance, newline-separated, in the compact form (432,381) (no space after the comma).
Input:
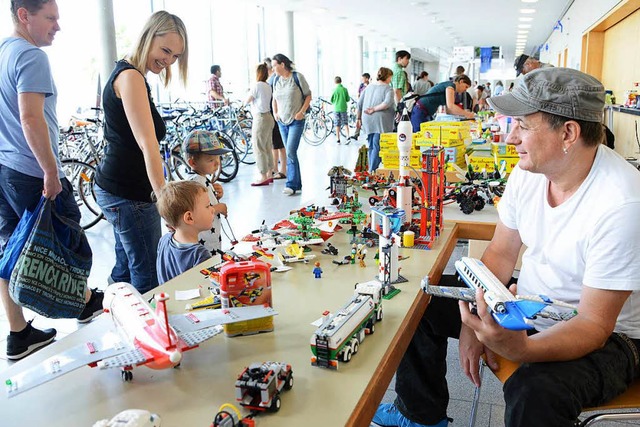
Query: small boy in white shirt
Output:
(201,150)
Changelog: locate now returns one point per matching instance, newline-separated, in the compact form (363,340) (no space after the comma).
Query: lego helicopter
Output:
(139,336)
(514,312)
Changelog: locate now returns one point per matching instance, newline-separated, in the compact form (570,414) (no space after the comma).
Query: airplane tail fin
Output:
(161,313)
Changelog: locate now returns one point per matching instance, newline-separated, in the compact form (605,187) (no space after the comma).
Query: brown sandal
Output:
(279,175)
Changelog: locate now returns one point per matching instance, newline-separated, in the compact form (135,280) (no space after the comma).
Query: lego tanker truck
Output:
(340,334)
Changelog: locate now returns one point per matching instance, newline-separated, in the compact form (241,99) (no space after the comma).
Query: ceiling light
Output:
(525,19)
(524,25)
(527,11)
(523,31)
(529,1)
(320,10)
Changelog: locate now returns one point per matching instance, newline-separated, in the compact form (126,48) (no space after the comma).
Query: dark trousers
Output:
(537,394)
(419,115)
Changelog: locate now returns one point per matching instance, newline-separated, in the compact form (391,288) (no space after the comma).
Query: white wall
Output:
(581,15)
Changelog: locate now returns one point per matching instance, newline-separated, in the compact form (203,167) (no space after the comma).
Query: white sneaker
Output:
(288,191)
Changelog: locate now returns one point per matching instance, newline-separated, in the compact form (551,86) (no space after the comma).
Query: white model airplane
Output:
(139,336)
(510,311)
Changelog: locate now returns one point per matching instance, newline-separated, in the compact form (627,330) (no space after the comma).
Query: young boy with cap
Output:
(202,149)
(185,206)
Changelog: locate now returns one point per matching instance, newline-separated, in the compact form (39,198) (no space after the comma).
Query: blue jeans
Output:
(537,394)
(418,116)
(19,192)
(374,151)
(291,135)
(137,231)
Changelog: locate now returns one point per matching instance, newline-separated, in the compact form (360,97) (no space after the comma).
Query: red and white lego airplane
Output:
(140,337)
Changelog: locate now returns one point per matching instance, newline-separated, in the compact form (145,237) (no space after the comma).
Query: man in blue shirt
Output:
(29,164)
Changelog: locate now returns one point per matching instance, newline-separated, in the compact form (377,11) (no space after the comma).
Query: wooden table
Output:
(192,394)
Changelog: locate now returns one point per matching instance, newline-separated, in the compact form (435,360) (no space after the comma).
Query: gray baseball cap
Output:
(561,91)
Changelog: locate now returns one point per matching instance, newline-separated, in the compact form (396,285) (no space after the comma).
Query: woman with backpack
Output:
(291,99)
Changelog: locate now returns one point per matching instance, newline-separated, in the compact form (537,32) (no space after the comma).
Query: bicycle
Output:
(81,175)
(316,128)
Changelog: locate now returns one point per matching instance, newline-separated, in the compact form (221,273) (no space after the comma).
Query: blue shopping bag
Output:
(51,272)
(18,239)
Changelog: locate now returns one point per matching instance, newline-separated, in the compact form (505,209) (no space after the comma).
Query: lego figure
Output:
(317,271)
(353,253)
(330,249)
(361,252)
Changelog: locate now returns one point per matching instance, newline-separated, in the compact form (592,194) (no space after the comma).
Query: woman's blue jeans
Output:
(418,115)
(291,135)
(137,231)
(374,151)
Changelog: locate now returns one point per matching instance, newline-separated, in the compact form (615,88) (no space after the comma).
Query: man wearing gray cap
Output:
(574,204)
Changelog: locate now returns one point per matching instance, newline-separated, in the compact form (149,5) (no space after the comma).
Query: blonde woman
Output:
(132,167)
(263,123)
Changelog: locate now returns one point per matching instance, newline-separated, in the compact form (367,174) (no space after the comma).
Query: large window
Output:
(234,35)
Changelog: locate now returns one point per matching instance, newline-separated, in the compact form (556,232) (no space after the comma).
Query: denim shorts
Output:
(341,119)
(19,192)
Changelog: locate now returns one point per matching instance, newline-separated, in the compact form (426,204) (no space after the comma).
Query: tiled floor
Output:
(248,207)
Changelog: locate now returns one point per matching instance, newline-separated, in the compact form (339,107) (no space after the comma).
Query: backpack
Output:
(408,101)
(295,79)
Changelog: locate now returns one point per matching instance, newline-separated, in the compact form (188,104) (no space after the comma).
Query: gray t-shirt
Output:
(175,258)
(289,98)
(380,121)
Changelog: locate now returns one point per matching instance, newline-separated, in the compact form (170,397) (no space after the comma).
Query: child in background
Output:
(185,206)
(340,99)
(201,150)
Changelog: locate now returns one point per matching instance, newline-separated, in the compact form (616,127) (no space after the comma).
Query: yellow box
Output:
(432,123)
(503,150)
(388,137)
(482,161)
(510,162)
(429,142)
(388,144)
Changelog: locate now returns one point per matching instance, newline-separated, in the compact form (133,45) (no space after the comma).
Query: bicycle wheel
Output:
(81,176)
(246,126)
(179,167)
(315,131)
(229,162)
(242,144)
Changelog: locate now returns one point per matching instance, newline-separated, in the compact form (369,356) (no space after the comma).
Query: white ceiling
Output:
(438,23)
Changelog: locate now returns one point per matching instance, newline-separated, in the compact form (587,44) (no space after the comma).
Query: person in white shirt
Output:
(574,204)
(263,123)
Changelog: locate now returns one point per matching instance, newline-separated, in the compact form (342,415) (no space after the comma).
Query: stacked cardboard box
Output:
(390,154)
(451,135)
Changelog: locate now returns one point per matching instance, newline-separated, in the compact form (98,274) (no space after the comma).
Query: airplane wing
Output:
(464,294)
(133,357)
(104,346)
(195,321)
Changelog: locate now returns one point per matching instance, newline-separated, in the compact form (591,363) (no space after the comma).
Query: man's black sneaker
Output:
(29,340)
(93,307)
